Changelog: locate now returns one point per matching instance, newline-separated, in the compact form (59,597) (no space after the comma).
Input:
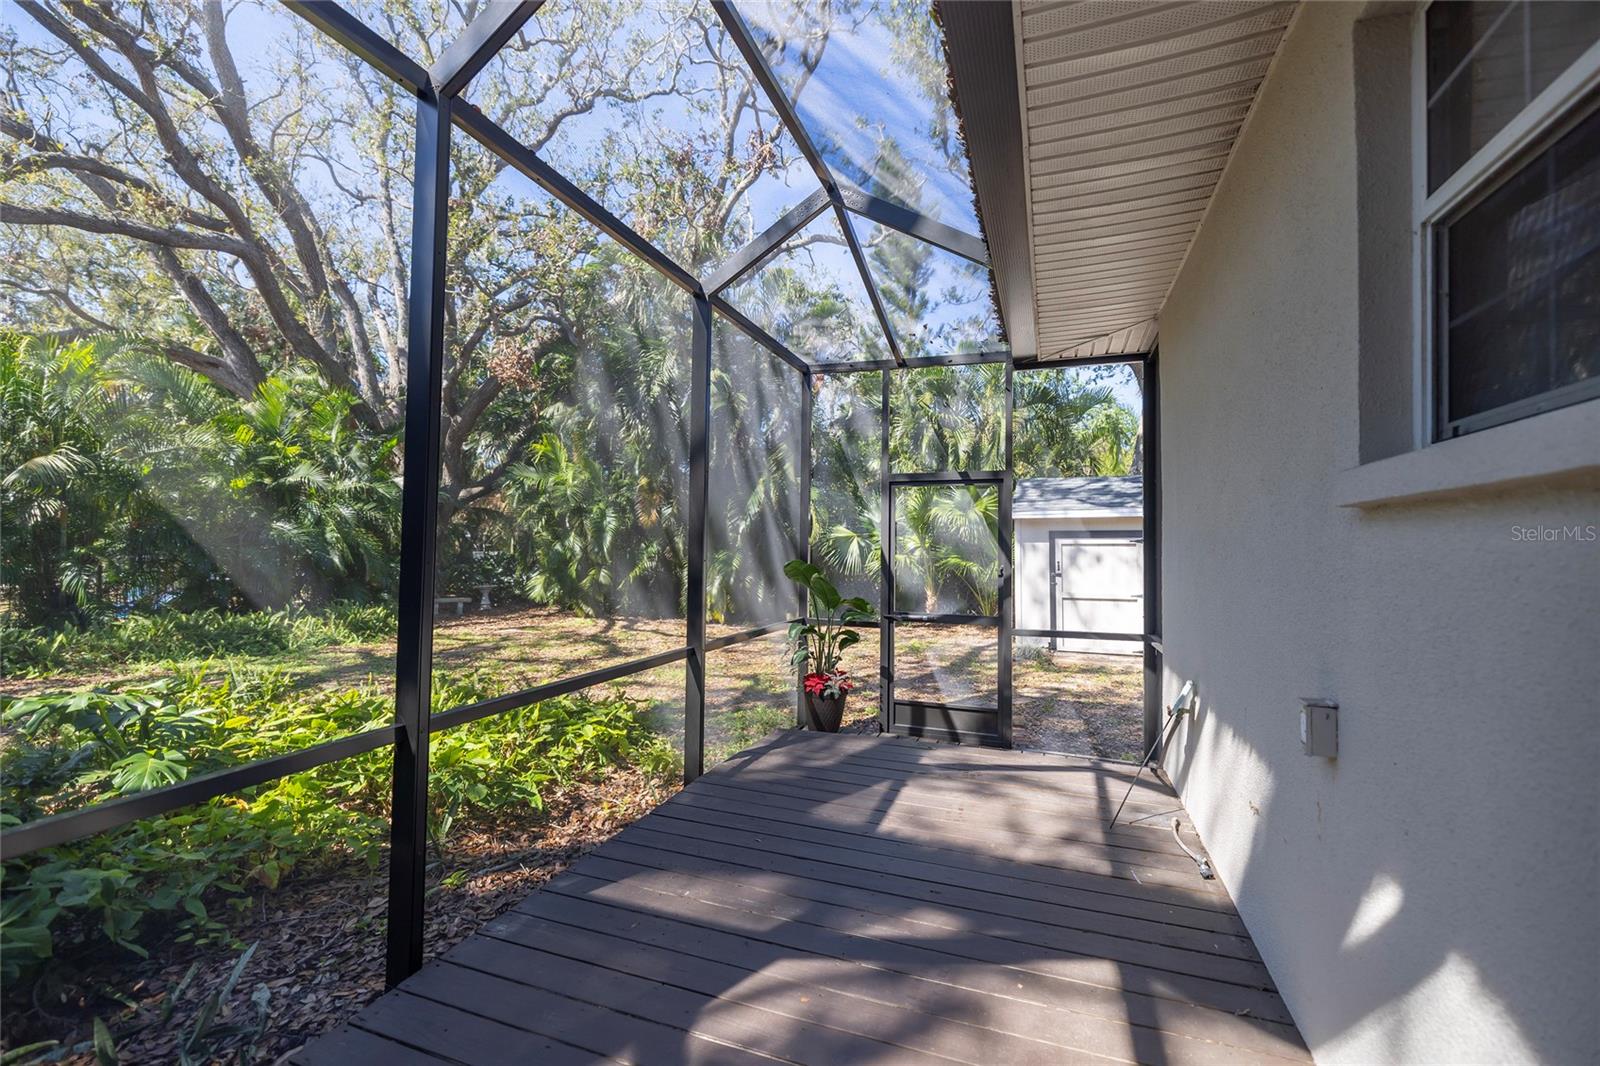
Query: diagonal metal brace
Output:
(1182,706)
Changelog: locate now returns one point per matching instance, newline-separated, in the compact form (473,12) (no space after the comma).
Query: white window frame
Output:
(1543,114)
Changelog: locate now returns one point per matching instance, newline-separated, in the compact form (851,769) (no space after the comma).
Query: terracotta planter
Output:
(824,713)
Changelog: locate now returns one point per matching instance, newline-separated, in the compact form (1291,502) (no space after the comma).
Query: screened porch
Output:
(638,308)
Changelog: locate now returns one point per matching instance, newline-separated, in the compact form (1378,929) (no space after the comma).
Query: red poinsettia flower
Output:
(834,684)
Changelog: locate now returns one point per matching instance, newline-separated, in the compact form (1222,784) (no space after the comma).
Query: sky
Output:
(865,92)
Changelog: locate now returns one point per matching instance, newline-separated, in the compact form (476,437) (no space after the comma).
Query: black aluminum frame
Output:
(439,110)
(1153,655)
(1002,621)
(803,595)
(1150,419)
(694,705)
(408,812)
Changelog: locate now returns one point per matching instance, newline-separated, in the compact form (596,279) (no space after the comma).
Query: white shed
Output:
(1080,559)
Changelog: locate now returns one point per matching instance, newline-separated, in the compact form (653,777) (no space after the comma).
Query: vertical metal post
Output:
(885,564)
(1006,621)
(803,465)
(408,825)
(1152,549)
(694,702)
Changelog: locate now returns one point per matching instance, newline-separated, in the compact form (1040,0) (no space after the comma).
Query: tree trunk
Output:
(1137,467)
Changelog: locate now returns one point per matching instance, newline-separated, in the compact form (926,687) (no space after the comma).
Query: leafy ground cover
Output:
(52,657)
(132,936)
(319,938)
(112,927)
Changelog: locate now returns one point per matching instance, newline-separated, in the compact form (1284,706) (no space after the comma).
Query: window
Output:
(1510,216)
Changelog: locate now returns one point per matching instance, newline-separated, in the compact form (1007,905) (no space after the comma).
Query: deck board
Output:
(902,880)
(1096,889)
(1099,861)
(903,859)
(825,899)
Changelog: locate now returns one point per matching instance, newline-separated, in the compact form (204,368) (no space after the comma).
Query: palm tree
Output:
(284,497)
(946,549)
(844,479)
(330,485)
(56,485)
(1067,424)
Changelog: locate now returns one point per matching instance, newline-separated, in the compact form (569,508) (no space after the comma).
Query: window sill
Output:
(1550,445)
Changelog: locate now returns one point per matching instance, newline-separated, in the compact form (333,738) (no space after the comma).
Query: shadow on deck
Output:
(832,899)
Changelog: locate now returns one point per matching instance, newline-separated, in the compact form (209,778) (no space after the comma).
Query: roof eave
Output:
(980,46)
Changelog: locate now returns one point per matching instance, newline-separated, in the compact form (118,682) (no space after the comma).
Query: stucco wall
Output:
(1430,896)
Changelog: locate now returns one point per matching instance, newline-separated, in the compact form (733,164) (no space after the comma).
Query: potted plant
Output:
(816,647)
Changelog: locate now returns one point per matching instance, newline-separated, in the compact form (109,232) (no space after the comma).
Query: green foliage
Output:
(579,534)
(1066,423)
(183,871)
(1069,423)
(131,484)
(58,490)
(176,636)
(105,1049)
(946,548)
(592,515)
(818,646)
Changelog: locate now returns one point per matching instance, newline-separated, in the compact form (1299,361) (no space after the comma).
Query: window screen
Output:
(1515,286)
(1486,62)
(1518,301)
(947,549)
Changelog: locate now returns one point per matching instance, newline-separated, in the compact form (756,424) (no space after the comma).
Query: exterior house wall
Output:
(1031,590)
(1429,895)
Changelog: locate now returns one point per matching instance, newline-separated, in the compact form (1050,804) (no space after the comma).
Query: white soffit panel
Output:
(1130,112)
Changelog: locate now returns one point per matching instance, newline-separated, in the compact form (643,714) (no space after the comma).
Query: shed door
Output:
(1099,586)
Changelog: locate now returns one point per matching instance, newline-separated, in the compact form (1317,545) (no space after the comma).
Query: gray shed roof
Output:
(1062,497)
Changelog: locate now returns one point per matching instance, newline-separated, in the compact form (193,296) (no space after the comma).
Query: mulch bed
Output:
(320,938)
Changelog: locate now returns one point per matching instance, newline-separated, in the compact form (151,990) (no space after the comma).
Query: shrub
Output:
(177,636)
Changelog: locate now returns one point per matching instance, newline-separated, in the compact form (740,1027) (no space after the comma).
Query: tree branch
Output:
(50,154)
(162,236)
(233,113)
(253,253)
(490,481)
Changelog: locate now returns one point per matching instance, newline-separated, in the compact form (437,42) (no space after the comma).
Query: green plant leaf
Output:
(146,770)
(801,571)
(171,999)
(26,1051)
(827,596)
(238,971)
(105,1049)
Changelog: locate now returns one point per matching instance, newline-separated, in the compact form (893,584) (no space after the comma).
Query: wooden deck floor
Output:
(827,899)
